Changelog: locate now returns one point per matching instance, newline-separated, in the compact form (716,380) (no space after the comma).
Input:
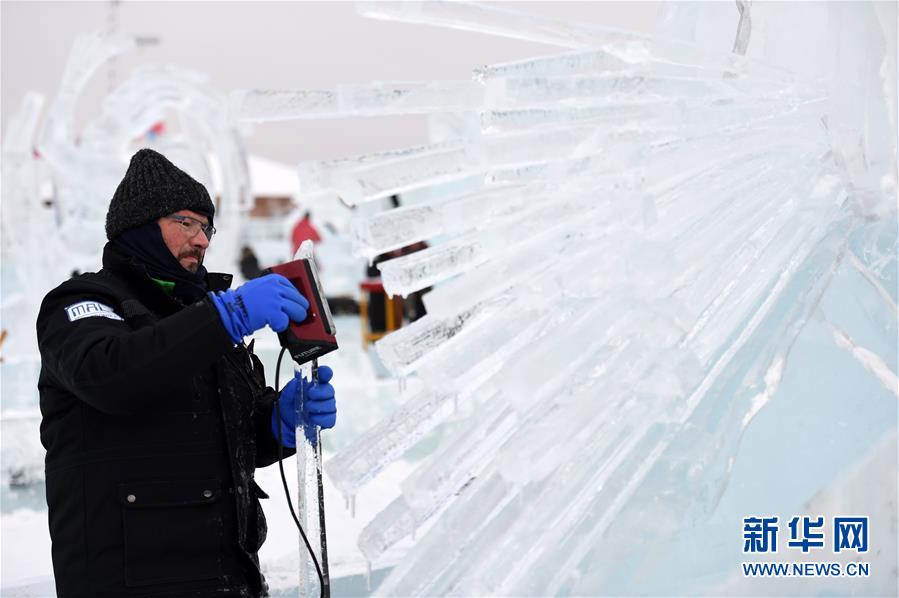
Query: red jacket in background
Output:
(302,231)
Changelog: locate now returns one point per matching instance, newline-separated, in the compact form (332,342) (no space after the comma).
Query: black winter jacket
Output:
(154,423)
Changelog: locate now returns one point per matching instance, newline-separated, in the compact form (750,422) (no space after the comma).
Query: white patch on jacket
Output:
(88,309)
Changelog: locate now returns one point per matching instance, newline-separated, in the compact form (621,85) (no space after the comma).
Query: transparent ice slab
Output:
(372,99)
(496,20)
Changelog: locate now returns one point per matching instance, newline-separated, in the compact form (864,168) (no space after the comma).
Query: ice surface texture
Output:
(657,226)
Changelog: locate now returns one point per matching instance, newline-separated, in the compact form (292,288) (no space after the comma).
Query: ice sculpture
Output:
(659,226)
(659,262)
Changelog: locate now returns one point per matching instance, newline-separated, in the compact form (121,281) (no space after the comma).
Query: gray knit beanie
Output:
(152,188)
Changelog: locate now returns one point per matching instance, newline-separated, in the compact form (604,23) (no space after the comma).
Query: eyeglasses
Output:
(192,226)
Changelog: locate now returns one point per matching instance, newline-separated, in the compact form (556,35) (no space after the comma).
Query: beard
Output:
(191,267)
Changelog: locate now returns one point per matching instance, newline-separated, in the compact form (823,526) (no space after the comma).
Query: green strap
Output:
(167,287)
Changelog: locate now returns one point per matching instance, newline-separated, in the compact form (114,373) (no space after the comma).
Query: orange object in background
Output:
(375,325)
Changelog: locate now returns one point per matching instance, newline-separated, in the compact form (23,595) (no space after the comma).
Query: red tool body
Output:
(315,336)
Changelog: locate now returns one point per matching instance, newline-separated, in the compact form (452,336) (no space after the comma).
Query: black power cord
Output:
(293,514)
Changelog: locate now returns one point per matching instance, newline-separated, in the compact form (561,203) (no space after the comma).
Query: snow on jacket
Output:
(154,423)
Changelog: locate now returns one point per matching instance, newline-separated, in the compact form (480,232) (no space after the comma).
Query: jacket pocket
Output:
(173,530)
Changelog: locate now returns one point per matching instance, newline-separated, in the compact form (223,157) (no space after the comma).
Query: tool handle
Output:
(326,578)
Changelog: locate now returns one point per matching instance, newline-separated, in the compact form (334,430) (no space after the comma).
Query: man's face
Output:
(185,238)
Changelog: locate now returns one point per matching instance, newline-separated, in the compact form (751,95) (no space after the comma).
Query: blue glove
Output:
(270,299)
(319,407)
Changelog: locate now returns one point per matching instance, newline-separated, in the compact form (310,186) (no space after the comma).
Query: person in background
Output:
(155,413)
(249,264)
(304,230)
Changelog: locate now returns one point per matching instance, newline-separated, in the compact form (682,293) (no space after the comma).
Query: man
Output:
(155,414)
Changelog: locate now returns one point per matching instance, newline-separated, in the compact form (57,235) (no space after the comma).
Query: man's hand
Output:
(319,407)
(269,300)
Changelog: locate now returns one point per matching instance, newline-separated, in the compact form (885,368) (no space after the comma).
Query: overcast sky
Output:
(282,45)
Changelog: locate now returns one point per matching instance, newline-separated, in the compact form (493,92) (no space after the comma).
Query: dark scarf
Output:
(146,245)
